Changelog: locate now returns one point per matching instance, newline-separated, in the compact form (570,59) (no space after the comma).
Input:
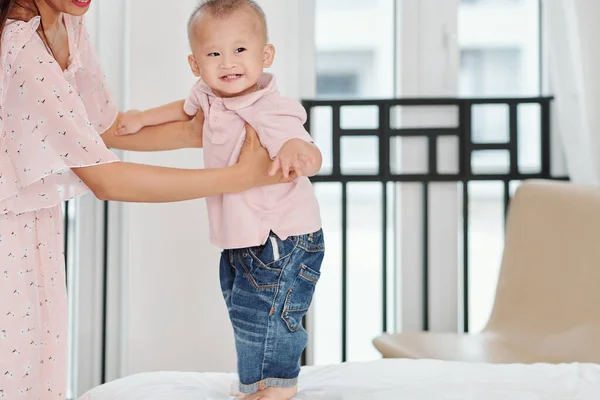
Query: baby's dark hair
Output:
(224,8)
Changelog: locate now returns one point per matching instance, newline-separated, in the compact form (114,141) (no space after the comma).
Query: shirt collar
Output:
(267,86)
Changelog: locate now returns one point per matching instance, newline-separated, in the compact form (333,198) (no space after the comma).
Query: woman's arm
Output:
(150,184)
(141,183)
(170,136)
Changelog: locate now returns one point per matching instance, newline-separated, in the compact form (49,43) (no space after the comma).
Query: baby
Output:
(272,236)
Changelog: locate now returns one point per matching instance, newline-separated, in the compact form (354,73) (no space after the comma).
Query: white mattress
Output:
(383,379)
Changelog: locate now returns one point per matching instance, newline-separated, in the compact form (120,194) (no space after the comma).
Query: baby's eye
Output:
(239,50)
(214,54)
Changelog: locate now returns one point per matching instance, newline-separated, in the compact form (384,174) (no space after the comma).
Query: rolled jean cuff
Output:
(269,382)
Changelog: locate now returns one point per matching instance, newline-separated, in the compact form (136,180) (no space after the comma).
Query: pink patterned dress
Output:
(50,121)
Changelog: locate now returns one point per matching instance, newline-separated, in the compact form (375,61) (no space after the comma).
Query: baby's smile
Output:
(231,77)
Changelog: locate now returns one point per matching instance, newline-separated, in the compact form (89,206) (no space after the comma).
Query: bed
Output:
(401,379)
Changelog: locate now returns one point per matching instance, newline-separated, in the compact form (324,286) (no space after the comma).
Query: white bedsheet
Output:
(383,379)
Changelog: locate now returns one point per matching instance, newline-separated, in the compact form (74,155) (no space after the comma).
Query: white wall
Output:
(175,317)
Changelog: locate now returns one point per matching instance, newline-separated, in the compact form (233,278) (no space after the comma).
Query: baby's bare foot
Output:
(273,393)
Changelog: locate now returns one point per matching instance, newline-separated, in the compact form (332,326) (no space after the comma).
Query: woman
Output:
(54,104)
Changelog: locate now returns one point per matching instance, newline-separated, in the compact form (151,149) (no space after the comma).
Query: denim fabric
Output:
(268,289)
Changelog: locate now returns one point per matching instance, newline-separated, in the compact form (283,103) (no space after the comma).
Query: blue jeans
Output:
(268,289)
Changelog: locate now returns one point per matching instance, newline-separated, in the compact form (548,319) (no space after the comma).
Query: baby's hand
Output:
(295,155)
(130,122)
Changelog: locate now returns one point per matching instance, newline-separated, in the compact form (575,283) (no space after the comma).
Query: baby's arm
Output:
(134,120)
(297,155)
(281,131)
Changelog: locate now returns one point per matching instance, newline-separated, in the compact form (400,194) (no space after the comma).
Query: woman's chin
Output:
(78,8)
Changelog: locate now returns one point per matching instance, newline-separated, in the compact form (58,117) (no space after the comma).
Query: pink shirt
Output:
(245,219)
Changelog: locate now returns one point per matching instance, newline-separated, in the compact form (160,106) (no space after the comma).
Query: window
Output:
(354,59)
(345,74)
(486,2)
(500,57)
(490,71)
(352,4)
(69,210)
(337,85)
(499,50)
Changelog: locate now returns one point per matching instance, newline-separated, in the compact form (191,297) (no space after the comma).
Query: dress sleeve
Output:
(90,78)
(46,132)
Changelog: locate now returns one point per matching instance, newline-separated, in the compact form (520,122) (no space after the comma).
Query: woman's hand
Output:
(255,163)
(196,127)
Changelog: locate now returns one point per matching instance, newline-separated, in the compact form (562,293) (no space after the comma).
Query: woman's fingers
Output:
(255,159)
(251,140)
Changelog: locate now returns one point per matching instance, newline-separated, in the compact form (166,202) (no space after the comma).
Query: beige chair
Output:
(547,306)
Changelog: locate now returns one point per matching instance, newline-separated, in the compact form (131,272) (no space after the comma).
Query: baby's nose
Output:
(227,63)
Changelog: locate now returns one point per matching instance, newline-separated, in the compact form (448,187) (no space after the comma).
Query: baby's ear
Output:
(268,55)
(194,65)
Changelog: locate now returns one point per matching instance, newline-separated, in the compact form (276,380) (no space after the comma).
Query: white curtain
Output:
(573,40)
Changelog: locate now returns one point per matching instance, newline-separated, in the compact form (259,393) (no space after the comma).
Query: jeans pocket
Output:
(271,254)
(264,264)
(299,298)
(258,275)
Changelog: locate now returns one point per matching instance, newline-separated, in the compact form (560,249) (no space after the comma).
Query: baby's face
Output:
(229,53)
